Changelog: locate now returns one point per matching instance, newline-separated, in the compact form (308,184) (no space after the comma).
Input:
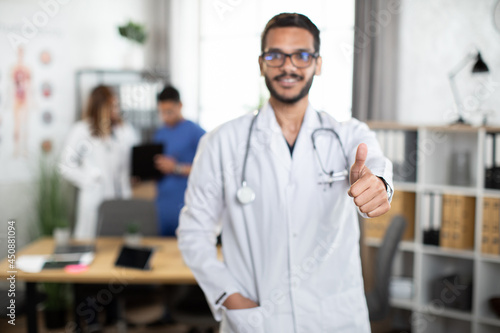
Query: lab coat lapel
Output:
(303,145)
(268,129)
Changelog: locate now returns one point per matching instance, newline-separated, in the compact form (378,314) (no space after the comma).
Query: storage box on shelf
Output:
(490,236)
(457,227)
(403,203)
(455,199)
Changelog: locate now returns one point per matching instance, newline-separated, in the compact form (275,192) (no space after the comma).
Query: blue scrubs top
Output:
(180,142)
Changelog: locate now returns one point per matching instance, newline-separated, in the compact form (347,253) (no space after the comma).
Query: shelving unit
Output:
(433,152)
(136,91)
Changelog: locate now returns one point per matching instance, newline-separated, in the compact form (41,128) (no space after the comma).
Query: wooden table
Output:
(167,268)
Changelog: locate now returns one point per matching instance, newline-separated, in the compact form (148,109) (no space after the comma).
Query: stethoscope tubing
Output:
(331,174)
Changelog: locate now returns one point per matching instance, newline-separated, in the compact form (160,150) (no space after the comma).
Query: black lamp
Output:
(479,67)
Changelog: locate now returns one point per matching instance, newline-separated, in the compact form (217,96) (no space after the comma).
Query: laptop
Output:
(77,248)
(74,253)
(143,165)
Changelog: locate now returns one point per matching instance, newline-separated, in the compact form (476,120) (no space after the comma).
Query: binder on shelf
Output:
(432,222)
(458,222)
(465,227)
(400,146)
(409,171)
(437,206)
(495,229)
(426,218)
(446,225)
(486,229)
(492,161)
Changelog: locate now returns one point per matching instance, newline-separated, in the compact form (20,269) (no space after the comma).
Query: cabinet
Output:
(434,165)
(136,92)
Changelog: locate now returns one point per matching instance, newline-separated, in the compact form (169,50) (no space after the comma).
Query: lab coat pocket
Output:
(243,321)
(345,312)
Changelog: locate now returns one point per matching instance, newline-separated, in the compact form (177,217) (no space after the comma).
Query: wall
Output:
(80,34)
(435,37)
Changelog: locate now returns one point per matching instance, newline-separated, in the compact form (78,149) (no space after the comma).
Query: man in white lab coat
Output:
(276,183)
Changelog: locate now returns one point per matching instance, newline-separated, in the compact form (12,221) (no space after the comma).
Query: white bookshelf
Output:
(426,263)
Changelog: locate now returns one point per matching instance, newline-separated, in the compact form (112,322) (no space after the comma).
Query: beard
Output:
(288,100)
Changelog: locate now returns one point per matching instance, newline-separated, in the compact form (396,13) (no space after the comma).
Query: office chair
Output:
(378,297)
(114,217)
(187,304)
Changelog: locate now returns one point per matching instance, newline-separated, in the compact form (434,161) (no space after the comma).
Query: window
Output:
(229,82)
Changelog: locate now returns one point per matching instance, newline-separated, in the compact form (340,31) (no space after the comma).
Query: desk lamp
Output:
(479,67)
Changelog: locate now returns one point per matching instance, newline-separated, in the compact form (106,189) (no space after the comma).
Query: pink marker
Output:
(75,269)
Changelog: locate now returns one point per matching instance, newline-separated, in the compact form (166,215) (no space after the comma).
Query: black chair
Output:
(378,297)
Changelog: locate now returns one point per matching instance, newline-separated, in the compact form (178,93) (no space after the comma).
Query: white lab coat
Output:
(100,168)
(295,249)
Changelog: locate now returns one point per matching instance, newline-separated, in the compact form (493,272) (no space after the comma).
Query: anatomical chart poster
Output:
(35,89)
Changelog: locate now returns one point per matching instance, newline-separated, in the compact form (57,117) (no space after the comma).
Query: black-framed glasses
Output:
(301,59)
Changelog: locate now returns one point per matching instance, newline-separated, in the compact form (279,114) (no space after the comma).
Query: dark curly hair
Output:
(291,20)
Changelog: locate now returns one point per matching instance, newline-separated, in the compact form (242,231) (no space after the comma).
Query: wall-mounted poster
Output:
(21,80)
(36,89)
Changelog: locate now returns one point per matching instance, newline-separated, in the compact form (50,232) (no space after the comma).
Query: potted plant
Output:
(133,31)
(136,34)
(53,208)
(132,235)
(55,305)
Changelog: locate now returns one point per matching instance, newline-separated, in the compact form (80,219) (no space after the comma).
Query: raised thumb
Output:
(359,164)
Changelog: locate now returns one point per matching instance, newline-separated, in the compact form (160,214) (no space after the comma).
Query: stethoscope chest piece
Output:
(245,194)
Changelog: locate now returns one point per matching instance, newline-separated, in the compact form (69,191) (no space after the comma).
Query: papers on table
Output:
(35,263)
(31,263)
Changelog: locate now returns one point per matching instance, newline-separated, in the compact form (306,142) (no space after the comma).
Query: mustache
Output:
(292,75)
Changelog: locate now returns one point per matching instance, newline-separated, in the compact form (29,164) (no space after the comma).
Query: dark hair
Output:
(291,20)
(99,107)
(169,93)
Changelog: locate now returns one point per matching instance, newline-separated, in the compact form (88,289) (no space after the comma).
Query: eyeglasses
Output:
(300,59)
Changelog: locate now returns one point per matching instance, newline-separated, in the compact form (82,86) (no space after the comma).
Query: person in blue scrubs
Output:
(180,139)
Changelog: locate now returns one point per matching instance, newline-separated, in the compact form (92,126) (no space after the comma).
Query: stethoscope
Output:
(246,194)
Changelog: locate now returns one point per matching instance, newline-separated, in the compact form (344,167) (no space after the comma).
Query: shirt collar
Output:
(267,119)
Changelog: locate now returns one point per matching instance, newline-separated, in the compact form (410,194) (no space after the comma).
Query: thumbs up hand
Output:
(369,191)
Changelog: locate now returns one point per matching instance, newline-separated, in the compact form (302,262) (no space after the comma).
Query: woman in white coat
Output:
(96,158)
